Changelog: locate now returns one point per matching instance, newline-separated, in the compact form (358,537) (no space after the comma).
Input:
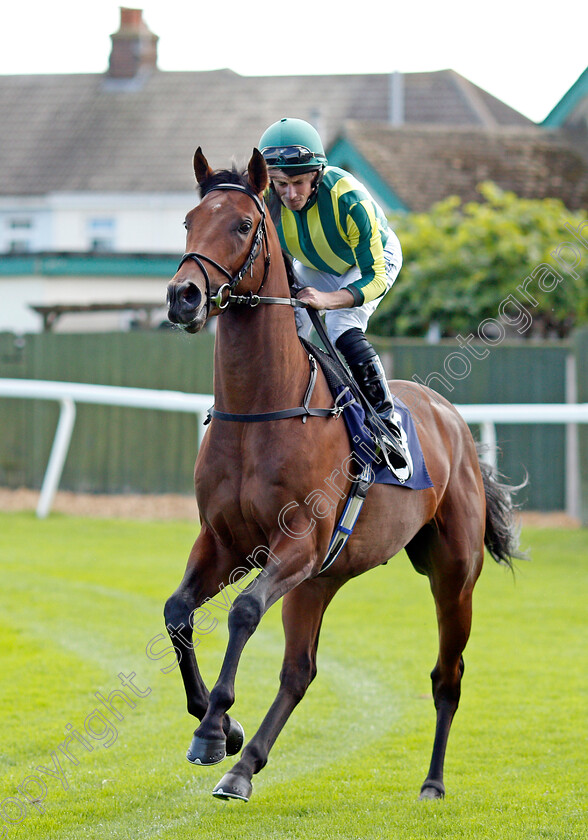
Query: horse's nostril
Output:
(184,300)
(191,296)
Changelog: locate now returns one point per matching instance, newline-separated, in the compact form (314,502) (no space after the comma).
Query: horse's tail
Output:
(501,537)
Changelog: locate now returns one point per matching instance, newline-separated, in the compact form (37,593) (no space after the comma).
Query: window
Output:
(101,233)
(19,246)
(20,224)
(19,238)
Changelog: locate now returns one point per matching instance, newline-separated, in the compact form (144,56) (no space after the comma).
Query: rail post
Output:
(59,450)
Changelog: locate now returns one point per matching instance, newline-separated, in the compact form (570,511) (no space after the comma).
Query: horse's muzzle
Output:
(186,305)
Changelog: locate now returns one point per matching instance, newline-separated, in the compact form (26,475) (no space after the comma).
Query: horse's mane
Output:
(223,176)
(289,269)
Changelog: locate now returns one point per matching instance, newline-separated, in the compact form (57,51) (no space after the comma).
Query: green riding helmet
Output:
(293,146)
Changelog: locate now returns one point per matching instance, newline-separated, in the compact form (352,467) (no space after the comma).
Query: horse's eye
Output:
(245,226)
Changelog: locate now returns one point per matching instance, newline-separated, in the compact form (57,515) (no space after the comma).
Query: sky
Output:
(526,54)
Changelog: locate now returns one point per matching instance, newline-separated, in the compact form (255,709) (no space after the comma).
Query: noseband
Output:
(233,281)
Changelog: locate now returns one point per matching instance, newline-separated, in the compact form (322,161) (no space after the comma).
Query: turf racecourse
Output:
(82,602)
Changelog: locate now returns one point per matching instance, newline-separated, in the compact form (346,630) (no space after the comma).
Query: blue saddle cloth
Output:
(364,447)
(362,441)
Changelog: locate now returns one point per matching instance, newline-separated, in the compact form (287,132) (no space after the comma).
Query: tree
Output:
(465,263)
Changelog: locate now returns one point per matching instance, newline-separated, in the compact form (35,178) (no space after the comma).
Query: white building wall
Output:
(16,295)
(131,223)
(122,222)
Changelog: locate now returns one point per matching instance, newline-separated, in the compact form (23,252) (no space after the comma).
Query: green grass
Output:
(81,599)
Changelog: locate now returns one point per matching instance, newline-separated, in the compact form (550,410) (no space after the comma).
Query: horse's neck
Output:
(259,362)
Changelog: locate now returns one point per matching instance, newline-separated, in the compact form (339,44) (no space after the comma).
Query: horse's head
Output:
(225,235)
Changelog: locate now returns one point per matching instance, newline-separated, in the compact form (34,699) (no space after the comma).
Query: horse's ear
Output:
(258,174)
(201,168)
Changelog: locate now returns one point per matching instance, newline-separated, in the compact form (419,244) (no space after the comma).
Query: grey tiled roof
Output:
(423,164)
(87,132)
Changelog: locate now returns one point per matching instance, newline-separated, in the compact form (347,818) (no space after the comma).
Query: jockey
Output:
(345,255)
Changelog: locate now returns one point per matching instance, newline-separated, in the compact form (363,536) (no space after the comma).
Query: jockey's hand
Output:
(341,299)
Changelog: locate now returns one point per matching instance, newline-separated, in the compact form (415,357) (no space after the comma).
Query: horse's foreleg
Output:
(201,581)
(244,617)
(302,615)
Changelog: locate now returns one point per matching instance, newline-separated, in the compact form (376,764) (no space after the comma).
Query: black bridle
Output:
(259,240)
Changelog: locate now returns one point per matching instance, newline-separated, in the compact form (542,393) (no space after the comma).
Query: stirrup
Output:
(396,444)
(402,473)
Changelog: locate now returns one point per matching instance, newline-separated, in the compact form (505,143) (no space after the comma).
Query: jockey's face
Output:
(293,190)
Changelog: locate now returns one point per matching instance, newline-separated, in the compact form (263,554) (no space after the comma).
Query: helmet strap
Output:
(315,186)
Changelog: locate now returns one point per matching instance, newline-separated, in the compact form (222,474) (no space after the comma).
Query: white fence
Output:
(70,393)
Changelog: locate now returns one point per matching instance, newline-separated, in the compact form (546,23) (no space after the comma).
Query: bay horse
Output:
(256,486)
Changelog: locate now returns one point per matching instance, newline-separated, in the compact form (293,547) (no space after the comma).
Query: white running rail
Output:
(67,394)
(70,393)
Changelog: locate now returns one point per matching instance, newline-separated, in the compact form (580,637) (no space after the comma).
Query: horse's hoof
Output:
(432,790)
(235,737)
(232,786)
(206,750)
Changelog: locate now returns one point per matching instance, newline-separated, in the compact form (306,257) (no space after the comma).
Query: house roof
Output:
(561,113)
(91,132)
(420,165)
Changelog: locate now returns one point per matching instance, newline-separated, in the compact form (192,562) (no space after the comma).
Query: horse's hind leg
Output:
(302,615)
(202,580)
(452,562)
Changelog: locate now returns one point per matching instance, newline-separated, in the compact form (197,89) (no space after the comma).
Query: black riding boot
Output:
(371,378)
(368,372)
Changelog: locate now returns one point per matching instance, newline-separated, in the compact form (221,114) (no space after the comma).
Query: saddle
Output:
(364,432)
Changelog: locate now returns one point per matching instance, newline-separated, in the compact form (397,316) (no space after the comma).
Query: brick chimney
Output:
(134,46)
